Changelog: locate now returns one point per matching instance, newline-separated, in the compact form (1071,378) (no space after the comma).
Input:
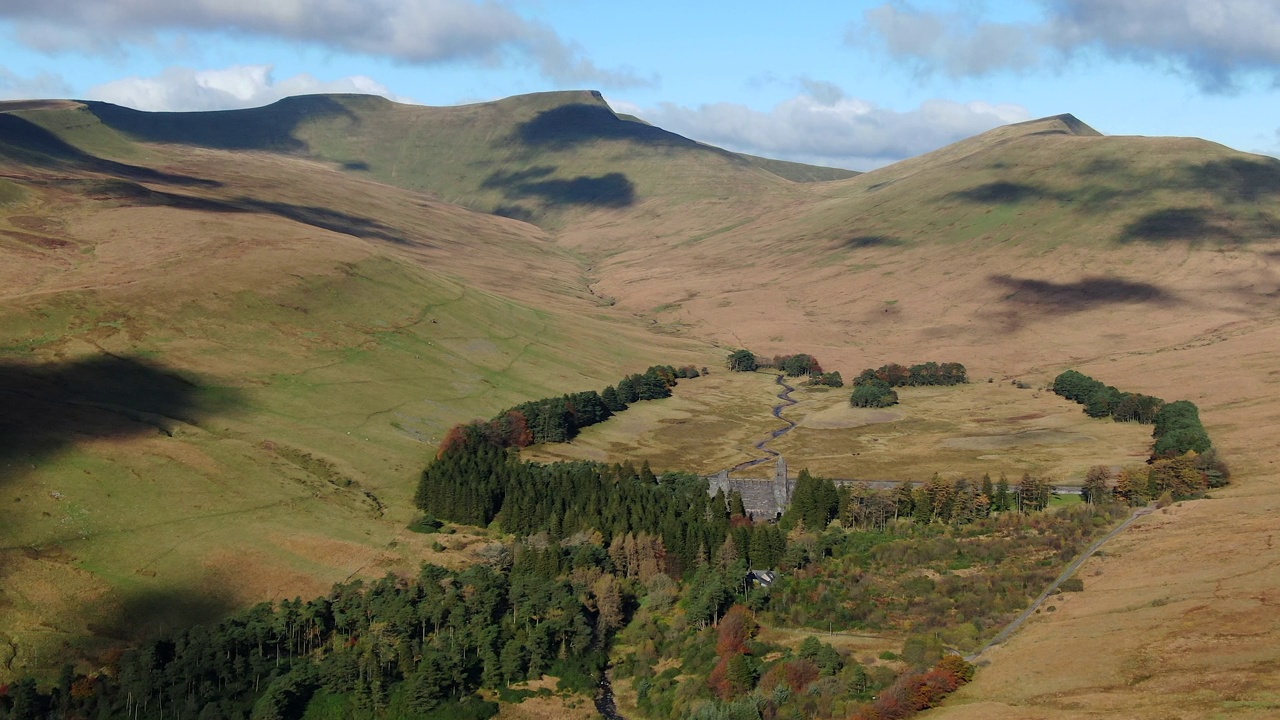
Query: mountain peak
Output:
(1064,124)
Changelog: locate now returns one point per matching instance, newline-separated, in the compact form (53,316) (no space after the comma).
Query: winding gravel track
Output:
(1070,570)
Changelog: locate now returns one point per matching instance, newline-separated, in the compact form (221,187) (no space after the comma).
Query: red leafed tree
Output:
(735,627)
(456,438)
(800,674)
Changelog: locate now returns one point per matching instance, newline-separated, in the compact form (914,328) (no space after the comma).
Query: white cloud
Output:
(1216,42)
(38,87)
(239,86)
(957,44)
(415,31)
(831,129)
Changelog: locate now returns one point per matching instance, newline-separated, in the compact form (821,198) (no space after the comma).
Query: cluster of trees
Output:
(916,691)
(476,482)
(872,393)
(979,575)
(827,379)
(959,502)
(796,365)
(742,361)
(1100,400)
(874,388)
(1172,478)
(395,648)
(559,419)
(1177,431)
(791,365)
(929,373)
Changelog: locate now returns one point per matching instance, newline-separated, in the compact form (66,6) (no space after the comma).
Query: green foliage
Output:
(426,525)
(797,365)
(476,482)
(929,373)
(1178,430)
(741,361)
(421,647)
(827,379)
(876,580)
(814,503)
(873,393)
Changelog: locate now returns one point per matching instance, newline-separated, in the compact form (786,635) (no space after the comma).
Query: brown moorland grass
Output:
(713,423)
(1148,263)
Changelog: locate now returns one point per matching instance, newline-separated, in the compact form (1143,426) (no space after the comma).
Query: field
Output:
(713,423)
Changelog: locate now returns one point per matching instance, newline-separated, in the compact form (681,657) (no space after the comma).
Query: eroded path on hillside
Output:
(787,401)
(1070,570)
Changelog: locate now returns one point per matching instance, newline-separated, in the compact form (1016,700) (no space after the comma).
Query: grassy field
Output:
(713,423)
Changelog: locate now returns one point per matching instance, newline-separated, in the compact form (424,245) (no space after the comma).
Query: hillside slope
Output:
(545,157)
(288,303)
(222,372)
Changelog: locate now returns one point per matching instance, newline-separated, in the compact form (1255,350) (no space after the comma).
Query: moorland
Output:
(232,341)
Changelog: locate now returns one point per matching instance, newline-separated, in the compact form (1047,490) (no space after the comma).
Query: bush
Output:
(873,394)
(1074,584)
(426,525)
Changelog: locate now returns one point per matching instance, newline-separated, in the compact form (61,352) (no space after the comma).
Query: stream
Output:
(604,698)
(787,401)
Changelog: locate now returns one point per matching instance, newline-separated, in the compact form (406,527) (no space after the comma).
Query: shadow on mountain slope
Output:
(568,125)
(319,217)
(612,190)
(1048,296)
(28,143)
(46,407)
(1178,223)
(265,128)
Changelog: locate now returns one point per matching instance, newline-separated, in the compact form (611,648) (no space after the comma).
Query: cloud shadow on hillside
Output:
(1238,179)
(1080,295)
(153,613)
(611,190)
(319,217)
(1030,299)
(1177,223)
(1000,193)
(568,125)
(871,241)
(47,407)
(28,143)
(266,128)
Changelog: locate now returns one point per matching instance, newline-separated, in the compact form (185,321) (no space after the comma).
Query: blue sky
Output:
(853,84)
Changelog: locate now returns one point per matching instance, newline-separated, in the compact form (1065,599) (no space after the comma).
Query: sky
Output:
(849,84)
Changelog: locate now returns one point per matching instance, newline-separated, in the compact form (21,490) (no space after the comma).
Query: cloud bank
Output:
(420,32)
(41,86)
(823,126)
(1217,43)
(239,86)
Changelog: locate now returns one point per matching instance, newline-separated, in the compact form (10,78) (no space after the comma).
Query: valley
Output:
(232,341)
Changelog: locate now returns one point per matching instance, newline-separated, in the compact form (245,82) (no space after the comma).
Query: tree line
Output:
(874,387)
(559,419)
(477,482)
(396,648)
(1177,424)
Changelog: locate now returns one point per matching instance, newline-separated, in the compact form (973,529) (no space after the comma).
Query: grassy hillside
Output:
(212,355)
(546,157)
(222,373)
